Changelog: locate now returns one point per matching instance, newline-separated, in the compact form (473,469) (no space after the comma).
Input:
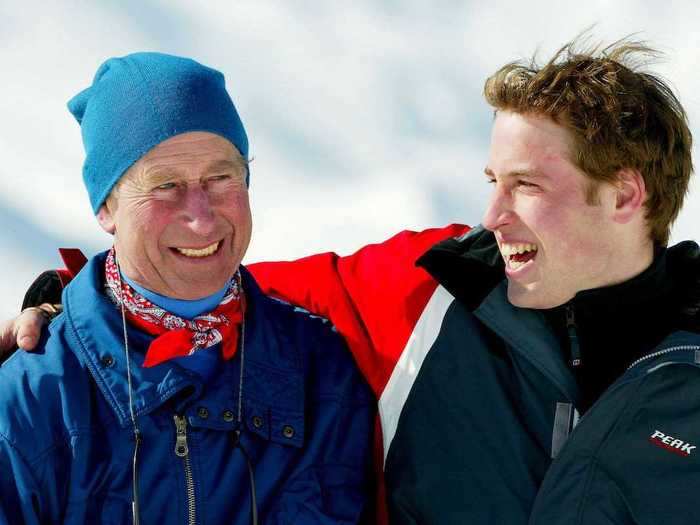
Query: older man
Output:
(172,390)
(484,349)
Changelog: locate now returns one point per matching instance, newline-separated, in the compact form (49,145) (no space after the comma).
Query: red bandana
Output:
(178,337)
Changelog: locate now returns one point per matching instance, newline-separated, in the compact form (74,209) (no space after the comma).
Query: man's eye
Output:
(166,186)
(526,184)
(217,178)
(490,181)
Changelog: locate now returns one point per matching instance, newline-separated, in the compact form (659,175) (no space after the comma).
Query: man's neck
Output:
(615,325)
(627,263)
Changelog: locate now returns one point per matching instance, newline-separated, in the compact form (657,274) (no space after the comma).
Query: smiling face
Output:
(181,217)
(554,242)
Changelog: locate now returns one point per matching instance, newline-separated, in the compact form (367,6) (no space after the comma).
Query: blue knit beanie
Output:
(138,101)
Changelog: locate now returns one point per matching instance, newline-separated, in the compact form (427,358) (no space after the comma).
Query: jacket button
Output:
(257,421)
(107,361)
(203,412)
(228,416)
(288,431)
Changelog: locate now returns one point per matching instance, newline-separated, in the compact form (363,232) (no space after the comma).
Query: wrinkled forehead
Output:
(191,155)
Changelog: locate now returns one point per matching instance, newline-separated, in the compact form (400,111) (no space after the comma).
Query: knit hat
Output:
(138,101)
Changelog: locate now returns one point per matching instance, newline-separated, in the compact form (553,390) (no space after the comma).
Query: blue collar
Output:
(180,307)
(274,368)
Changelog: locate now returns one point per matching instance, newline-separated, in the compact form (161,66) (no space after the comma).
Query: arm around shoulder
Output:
(374,296)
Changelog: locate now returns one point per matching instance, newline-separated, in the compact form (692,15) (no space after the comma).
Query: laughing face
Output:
(180,216)
(553,241)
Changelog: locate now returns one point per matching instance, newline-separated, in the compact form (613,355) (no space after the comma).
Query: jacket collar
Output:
(273,378)
(527,332)
(469,267)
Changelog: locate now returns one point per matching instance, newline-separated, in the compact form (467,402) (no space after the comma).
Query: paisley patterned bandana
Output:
(175,336)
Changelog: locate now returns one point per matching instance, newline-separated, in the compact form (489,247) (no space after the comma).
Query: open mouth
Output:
(199,253)
(518,254)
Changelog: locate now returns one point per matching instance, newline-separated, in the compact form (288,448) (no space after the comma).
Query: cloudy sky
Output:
(364,117)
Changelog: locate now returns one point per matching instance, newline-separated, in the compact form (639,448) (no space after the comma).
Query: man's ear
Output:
(630,193)
(106,220)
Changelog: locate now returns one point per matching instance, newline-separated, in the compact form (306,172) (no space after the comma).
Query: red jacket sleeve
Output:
(374,297)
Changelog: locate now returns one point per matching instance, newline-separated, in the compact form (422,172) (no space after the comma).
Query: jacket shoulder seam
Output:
(27,460)
(595,464)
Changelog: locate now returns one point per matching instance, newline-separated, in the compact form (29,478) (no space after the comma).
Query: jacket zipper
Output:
(182,451)
(663,352)
(573,336)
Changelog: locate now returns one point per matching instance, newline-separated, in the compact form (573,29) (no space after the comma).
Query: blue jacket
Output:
(67,441)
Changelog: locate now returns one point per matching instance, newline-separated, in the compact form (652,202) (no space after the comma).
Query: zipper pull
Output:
(573,337)
(181,449)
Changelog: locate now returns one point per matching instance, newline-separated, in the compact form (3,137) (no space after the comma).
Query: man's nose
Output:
(499,211)
(198,211)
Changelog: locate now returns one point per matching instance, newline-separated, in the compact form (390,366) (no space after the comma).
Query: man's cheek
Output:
(152,223)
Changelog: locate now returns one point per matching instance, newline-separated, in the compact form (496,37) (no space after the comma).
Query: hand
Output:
(24,330)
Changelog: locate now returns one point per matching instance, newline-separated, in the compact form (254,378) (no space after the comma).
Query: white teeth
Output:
(511,249)
(204,252)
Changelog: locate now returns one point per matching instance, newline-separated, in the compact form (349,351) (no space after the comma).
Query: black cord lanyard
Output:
(237,434)
(137,433)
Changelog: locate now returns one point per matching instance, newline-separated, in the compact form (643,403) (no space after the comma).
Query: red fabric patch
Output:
(74,260)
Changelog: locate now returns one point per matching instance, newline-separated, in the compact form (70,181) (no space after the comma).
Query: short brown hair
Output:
(619,117)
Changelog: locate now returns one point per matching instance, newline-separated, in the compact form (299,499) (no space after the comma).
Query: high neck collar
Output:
(604,330)
(648,288)
(188,309)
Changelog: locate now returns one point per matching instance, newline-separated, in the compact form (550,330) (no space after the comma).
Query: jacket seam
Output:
(321,465)
(600,468)
(523,348)
(632,401)
(57,442)
(21,455)
(28,465)
(590,474)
